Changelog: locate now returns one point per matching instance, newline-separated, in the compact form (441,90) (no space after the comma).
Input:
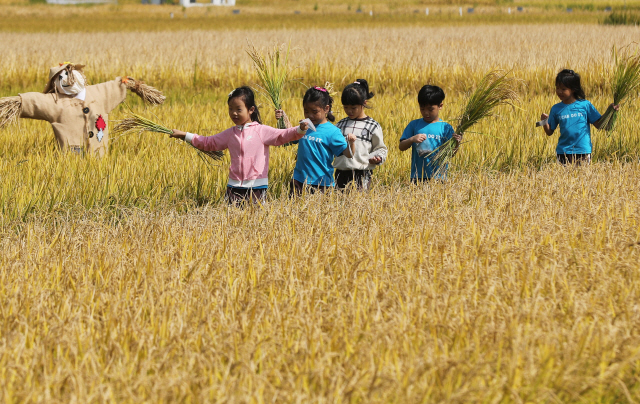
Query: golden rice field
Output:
(128,279)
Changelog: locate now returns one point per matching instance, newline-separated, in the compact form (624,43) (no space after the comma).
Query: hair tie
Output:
(231,93)
(324,90)
(356,82)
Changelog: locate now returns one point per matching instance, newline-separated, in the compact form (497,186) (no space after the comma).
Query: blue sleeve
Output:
(408,132)
(592,113)
(553,120)
(448,132)
(337,143)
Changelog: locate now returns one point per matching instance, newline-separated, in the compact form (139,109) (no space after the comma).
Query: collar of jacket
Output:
(246,125)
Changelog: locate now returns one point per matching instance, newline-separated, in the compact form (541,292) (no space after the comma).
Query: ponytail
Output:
(249,99)
(356,93)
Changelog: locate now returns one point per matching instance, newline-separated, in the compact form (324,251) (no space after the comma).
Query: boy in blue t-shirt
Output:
(427,134)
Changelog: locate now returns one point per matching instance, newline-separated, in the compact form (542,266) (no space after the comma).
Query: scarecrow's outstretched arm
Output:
(27,105)
(148,94)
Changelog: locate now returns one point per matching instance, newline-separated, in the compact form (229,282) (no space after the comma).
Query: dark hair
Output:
(321,96)
(571,80)
(430,95)
(356,93)
(249,99)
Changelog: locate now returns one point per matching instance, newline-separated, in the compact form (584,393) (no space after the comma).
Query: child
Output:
(574,114)
(427,134)
(370,150)
(316,150)
(248,143)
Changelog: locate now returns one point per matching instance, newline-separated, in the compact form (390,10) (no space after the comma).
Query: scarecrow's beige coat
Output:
(74,120)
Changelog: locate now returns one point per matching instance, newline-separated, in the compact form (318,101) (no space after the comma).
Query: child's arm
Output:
(206,143)
(379,152)
(406,144)
(546,127)
(597,124)
(351,146)
(278,137)
(281,114)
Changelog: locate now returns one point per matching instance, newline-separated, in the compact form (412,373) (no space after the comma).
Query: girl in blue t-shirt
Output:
(574,114)
(317,149)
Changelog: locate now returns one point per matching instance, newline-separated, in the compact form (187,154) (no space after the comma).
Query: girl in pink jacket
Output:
(248,143)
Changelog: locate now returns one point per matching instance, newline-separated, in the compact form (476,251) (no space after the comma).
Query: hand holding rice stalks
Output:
(495,89)
(138,124)
(624,84)
(273,72)
(9,110)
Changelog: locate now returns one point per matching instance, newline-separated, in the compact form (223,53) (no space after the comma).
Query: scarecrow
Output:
(78,113)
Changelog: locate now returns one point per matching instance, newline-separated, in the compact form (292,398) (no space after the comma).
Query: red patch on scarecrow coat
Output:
(100,123)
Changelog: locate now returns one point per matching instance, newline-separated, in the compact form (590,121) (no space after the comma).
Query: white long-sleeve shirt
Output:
(369,143)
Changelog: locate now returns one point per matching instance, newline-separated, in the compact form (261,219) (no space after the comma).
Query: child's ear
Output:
(441,105)
(327,108)
(252,110)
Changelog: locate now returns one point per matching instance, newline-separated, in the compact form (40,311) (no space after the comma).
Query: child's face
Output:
(354,111)
(563,92)
(430,113)
(238,112)
(316,113)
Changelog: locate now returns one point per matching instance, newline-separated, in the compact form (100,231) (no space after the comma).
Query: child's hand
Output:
(615,107)
(351,138)
(419,138)
(304,126)
(280,114)
(458,137)
(375,160)
(178,134)
(544,116)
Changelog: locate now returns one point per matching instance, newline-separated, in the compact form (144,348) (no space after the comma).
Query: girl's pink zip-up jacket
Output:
(249,150)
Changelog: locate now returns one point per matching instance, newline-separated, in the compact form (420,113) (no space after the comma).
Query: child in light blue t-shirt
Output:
(574,115)
(426,135)
(317,149)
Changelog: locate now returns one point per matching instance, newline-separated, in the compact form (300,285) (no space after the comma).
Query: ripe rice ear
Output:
(273,72)
(9,110)
(150,95)
(138,124)
(625,83)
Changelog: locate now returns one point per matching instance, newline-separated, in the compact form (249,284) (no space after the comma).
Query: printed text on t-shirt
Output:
(312,138)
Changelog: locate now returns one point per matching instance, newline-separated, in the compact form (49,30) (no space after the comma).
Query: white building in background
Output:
(192,3)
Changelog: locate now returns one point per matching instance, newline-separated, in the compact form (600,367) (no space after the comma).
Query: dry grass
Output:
(124,280)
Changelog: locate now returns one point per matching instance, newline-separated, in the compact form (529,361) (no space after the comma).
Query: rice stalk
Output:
(495,89)
(137,124)
(150,95)
(624,84)
(273,73)
(9,110)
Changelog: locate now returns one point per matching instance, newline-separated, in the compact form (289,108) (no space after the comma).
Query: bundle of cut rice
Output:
(135,123)
(625,83)
(495,89)
(274,73)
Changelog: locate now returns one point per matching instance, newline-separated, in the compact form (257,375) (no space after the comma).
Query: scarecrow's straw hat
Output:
(55,72)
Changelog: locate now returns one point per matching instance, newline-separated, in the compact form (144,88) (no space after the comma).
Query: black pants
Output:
(297,188)
(361,178)
(236,196)
(577,159)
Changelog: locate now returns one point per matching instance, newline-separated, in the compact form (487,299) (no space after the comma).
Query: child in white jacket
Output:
(370,150)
